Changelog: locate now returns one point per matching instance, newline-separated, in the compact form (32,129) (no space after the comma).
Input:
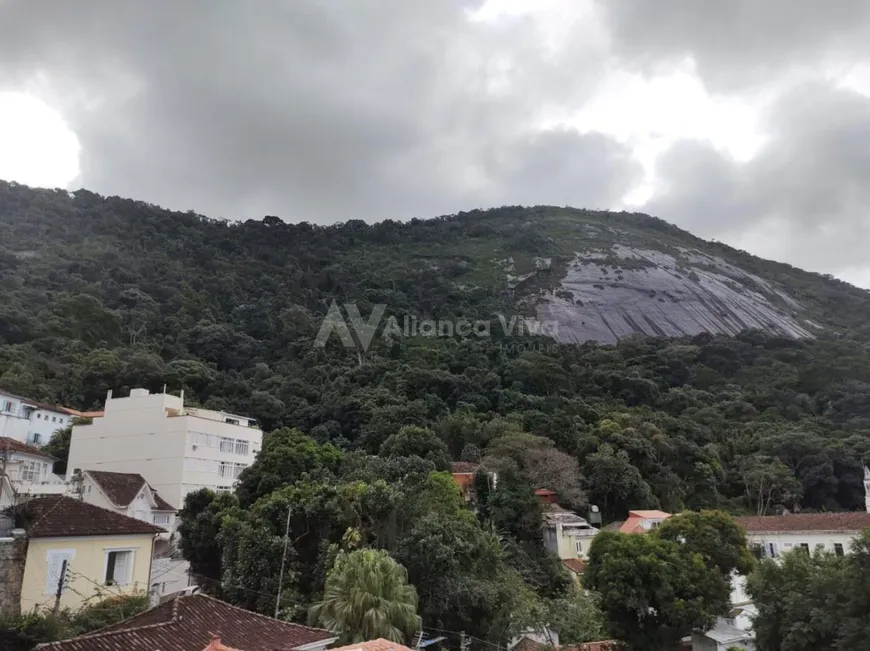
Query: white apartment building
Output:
(30,421)
(177,449)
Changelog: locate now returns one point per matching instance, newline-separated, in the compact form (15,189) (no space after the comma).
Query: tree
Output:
(614,484)
(411,441)
(367,596)
(714,535)
(287,456)
(768,482)
(201,520)
(58,447)
(801,600)
(652,592)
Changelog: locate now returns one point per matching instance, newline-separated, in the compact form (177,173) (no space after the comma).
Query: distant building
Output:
(81,551)
(567,535)
(25,470)
(29,421)
(463,475)
(724,635)
(129,494)
(643,521)
(769,536)
(379,644)
(198,622)
(177,449)
(531,643)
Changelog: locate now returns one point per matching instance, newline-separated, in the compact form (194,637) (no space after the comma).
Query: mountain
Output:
(749,367)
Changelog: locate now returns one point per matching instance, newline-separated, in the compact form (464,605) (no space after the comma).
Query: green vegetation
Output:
(22,633)
(367,597)
(656,589)
(106,293)
(810,602)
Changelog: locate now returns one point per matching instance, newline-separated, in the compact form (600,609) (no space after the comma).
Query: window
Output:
(119,566)
(227,445)
(838,549)
(805,547)
(820,547)
(242,447)
(54,419)
(237,469)
(38,416)
(54,561)
(578,546)
(36,438)
(232,421)
(32,471)
(162,518)
(7,406)
(771,550)
(223,489)
(225,469)
(757,550)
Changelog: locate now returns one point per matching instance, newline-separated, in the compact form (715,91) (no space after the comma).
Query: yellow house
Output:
(78,550)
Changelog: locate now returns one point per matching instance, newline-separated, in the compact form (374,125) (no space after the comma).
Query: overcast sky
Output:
(746,121)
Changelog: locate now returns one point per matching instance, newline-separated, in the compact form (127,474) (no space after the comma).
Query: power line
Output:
(460,633)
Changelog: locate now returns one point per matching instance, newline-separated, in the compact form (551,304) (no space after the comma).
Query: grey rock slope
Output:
(606,295)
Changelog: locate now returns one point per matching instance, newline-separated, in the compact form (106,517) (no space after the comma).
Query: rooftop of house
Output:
(44,406)
(634,523)
(528,644)
(849,522)
(553,514)
(8,445)
(575,565)
(217,645)
(123,487)
(190,623)
(59,516)
(463,468)
(379,644)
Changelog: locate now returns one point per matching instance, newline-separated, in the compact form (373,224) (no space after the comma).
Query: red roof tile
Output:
(576,565)
(635,519)
(60,516)
(189,623)
(379,644)
(854,521)
(11,445)
(123,487)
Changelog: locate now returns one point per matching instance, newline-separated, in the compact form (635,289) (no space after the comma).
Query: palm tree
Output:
(367,596)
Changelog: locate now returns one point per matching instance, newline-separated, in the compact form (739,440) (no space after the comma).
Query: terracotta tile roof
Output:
(854,521)
(162,504)
(123,487)
(635,519)
(463,468)
(11,445)
(374,645)
(84,414)
(216,645)
(189,623)
(59,516)
(576,565)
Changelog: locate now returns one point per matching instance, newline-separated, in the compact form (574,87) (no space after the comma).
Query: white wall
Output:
(20,419)
(787,541)
(149,434)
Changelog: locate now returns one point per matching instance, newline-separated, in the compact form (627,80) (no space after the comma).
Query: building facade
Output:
(770,536)
(25,470)
(29,421)
(177,449)
(77,552)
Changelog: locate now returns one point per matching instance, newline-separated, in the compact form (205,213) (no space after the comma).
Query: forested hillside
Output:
(106,293)
(103,293)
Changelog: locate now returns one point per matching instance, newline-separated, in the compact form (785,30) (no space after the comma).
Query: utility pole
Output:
(60,582)
(283,560)
(419,640)
(464,642)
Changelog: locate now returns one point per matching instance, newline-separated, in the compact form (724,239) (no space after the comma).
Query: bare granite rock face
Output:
(608,295)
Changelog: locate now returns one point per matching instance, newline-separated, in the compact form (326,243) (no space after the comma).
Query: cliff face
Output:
(606,295)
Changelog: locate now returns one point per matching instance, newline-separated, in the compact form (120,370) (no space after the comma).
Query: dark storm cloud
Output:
(310,110)
(807,187)
(736,43)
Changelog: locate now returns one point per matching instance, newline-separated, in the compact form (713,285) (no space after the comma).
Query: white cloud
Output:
(36,146)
